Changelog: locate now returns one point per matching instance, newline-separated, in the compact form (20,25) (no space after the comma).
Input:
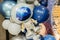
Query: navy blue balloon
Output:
(49,37)
(23,13)
(40,14)
(43,2)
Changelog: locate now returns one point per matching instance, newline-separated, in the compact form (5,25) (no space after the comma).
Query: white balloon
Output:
(18,38)
(14,29)
(5,24)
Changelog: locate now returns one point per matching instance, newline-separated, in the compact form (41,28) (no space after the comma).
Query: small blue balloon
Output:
(49,37)
(23,13)
(40,14)
(6,8)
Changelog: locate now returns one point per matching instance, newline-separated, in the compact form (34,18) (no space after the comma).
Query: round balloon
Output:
(22,12)
(49,37)
(5,24)
(6,7)
(14,29)
(40,14)
(43,2)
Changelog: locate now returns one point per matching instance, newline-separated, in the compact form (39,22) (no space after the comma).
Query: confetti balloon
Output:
(22,12)
(14,29)
(49,37)
(5,24)
(6,7)
(40,14)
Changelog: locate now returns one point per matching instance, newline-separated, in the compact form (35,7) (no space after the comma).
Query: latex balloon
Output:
(49,37)
(18,38)
(6,7)
(5,24)
(40,14)
(14,29)
(22,12)
(43,2)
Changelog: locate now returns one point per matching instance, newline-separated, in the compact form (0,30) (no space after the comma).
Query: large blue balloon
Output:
(23,13)
(49,37)
(6,8)
(40,14)
(43,2)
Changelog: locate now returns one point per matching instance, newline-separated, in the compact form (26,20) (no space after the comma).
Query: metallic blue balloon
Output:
(23,13)
(49,37)
(40,14)
(43,2)
(6,8)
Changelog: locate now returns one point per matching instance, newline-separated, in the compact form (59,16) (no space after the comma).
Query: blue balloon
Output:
(6,8)
(23,13)
(40,14)
(43,2)
(49,37)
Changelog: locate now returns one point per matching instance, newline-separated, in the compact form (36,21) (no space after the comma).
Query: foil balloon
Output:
(6,7)
(18,38)
(22,12)
(43,2)
(5,24)
(49,37)
(40,14)
(14,29)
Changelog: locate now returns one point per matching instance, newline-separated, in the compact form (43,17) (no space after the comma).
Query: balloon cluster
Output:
(23,16)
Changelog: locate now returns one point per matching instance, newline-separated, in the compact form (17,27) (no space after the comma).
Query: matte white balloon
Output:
(5,24)
(14,29)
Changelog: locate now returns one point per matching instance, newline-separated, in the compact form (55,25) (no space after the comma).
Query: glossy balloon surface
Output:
(23,13)
(40,14)
(6,7)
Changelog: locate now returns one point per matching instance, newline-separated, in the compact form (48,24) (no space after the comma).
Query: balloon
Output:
(18,38)
(49,37)
(5,24)
(43,2)
(6,7)
(40,14)
(14,29)
(21,12)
